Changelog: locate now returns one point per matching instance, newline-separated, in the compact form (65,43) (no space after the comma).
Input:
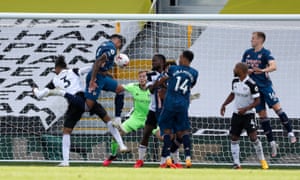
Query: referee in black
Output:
(246,96)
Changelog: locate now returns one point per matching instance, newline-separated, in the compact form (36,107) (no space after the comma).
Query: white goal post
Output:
(30,130)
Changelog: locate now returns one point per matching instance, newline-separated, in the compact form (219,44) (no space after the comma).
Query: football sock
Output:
(166,146)
(174,150)
(265,124)
(114,147)
(285,120)
(258,149)
(76,100)
(235,151)
(115,133)
(186,145)
(119,103)
(175,156)
(142,151)
(174,146)
(163,160)
(66,142)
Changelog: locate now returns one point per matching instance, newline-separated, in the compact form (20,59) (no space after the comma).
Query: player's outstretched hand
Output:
(257,70)
(194,96)
(93,85)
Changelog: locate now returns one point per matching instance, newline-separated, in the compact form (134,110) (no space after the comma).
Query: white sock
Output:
(258,149)
(163,160)
(115,133)
(66,142)
(291,134)
(175,156)
(142,151)
(56,92)
(235,151)
(272,143)
(44,92)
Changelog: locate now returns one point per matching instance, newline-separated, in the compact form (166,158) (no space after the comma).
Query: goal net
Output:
(31,129)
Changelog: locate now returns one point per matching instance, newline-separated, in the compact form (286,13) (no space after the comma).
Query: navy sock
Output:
(174,146)
(265,124)
(186,145)
(166,147)
(76,100)
(119,103)
(285,120)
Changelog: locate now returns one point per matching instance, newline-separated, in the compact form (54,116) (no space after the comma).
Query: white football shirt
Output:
(244,93)
(69,80)
(151,78)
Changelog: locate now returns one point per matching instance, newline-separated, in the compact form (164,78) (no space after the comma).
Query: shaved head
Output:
(243,67)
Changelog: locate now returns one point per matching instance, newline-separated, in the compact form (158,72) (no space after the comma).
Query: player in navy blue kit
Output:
(99,78)
(261,62)
(174,116)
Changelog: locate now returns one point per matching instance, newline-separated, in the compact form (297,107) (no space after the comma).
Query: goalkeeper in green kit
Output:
(136,121)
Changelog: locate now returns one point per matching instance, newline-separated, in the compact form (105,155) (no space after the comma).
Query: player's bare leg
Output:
(258,149)
(266,126)
(285,122)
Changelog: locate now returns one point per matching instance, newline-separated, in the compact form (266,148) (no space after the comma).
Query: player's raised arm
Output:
(270,68)
(159,82)
(98,63)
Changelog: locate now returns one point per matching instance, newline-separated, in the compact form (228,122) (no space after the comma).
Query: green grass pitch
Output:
(147,173)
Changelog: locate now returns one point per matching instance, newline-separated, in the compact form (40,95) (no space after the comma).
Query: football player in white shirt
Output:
(245,93)
(158,63)
(69,81)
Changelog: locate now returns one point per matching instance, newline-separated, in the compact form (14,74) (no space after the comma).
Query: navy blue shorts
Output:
(174,120)
(267,96)
(106,83)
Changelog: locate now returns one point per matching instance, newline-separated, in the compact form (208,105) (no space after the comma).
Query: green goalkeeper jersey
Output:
(141,100)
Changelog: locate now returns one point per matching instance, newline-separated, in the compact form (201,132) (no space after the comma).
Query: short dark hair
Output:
(188,54)
(122,39)
(161,57)
(60,62)
(260,35)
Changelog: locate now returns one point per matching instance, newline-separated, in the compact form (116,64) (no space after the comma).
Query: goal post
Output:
(30,129)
